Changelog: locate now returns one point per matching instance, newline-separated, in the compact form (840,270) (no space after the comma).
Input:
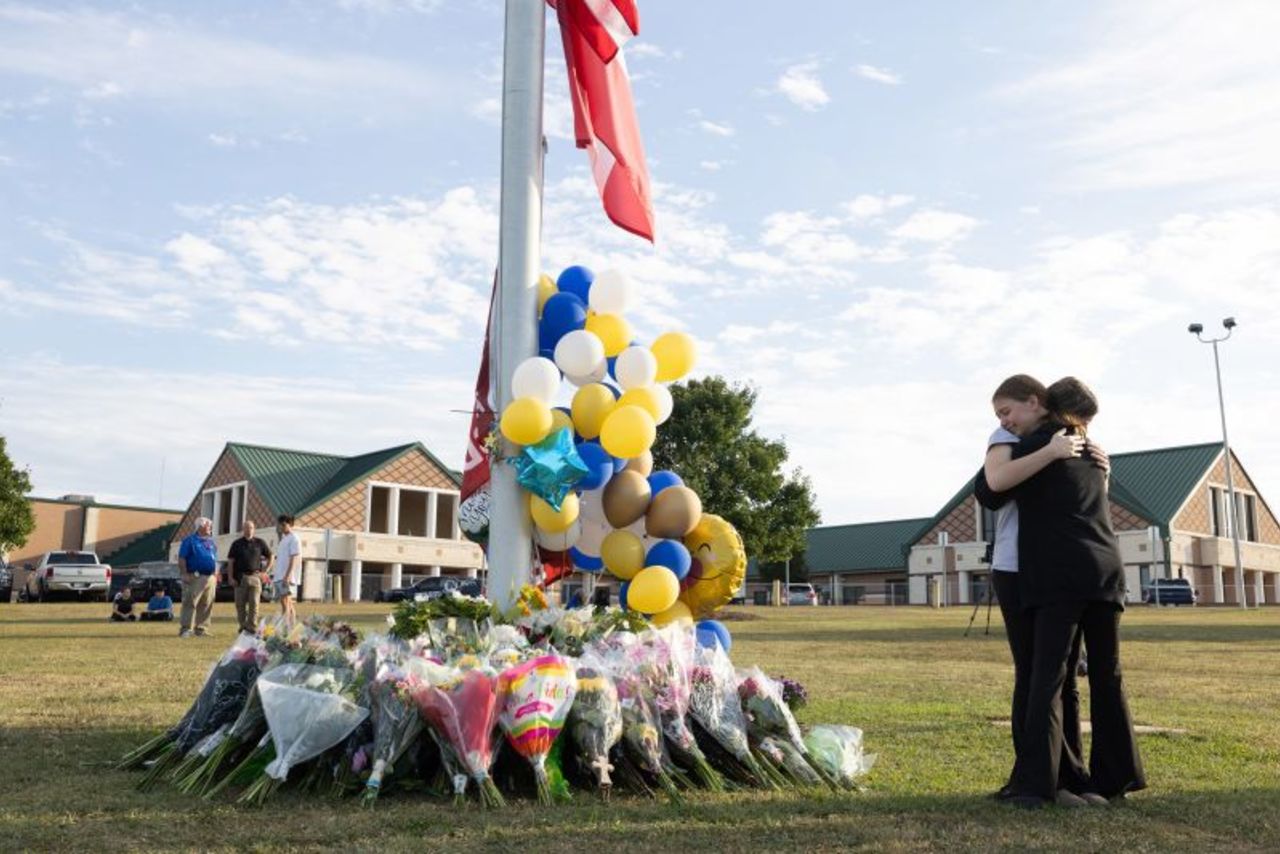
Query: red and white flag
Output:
(604,116)
(473,505)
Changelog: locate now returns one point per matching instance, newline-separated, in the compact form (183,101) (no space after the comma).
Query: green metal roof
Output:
(153,545)
(296,481)
(1161,479)
(865,547)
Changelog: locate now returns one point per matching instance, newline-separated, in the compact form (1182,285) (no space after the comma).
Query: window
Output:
(1246,513)
(1218,526)
(411,511)
(988,525)
(1248,517)
(225,505)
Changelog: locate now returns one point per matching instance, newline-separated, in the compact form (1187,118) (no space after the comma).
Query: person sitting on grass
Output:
(160,606)
(122,606)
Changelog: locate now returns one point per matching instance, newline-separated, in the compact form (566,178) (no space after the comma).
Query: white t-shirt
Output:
(288,547)
(1004,555)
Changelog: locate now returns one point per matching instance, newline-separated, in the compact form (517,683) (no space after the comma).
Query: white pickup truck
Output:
(79,574)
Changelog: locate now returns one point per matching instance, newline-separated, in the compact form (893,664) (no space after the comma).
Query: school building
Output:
(1169,507)
(377,520)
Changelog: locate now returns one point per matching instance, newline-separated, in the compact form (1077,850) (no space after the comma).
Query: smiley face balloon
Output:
(719,565)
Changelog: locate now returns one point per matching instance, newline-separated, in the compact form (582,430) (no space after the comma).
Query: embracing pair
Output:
(1059,578)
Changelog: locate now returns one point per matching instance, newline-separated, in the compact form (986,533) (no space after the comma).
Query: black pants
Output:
(1019,628)
(120,618)
(1114,764)
(157,615)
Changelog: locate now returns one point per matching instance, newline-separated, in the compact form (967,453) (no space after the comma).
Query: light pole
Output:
(1195,329)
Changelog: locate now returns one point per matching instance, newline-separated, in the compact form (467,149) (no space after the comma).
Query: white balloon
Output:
(579,353)
(610,293)
(561,540)
(593,534)
(662,394)
(636,366)
(591,506)
(594,377)
(536,377)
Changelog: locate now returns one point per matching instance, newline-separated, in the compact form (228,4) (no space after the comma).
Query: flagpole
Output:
(520,230)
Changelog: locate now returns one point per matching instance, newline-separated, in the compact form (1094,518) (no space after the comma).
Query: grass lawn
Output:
(77,692)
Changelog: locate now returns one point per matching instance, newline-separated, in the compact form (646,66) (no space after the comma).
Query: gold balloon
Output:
(561,419)
(551,520)
(673,513)
(676,352)
(719,565)
(643,464)
(626,497)
(613,331)
(628,431)
(643,397)
(526,420)
(677,613)
(546,290)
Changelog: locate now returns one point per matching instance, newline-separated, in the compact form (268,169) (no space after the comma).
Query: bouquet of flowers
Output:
(396,723)
(218,703)
(595,723)
(768,715)
(783,755)
(715,708)
(837,750)
(536,697)
(462,707)
(308,711)
(666,664)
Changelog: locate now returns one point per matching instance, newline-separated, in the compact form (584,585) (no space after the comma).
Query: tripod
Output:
(977,605)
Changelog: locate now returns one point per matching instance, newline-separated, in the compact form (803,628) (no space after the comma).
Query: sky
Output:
(276,223)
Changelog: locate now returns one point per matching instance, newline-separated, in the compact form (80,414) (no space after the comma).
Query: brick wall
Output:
(345,511)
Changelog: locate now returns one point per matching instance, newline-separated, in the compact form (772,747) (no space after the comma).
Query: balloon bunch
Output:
(588,468)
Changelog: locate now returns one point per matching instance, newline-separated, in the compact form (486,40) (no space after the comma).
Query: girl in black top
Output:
(1072,576)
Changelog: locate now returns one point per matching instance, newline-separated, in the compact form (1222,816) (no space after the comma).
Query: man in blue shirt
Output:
(198,560)
(159,607)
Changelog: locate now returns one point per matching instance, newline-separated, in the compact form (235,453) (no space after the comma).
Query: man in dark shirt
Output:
(122,606)
(247,558)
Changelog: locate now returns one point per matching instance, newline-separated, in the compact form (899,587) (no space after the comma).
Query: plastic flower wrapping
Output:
(536,697)
(311,706)
(595,723)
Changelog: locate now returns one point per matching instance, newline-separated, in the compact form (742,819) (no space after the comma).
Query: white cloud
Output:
(935,226)
(119,56)
(716,128)
(801,86)
(878,75)
(386,7)
(1167,94)
(866,205)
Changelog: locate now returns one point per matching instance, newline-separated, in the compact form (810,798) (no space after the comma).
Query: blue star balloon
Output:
(550,468)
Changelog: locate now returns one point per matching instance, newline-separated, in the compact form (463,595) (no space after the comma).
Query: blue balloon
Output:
(575,280)
(562,314)
(672,554)
(660,480)
(622,595)
(611,362)
(599,465)
(712,632)
(586,562)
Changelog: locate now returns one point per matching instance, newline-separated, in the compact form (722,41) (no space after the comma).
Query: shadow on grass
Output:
(1193,633)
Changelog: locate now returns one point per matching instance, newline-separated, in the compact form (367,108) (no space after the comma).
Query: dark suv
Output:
(6,583)
(431,588)
(1169,591)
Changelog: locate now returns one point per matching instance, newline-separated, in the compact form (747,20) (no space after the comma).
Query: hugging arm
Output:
(1004,471)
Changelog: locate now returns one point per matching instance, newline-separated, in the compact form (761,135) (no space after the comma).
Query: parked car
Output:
(801,594)
(1169,591)
(6,583)
(159,573)
(431,588)
(69,573)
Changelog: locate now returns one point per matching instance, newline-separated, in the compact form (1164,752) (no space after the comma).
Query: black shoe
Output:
(1003,793)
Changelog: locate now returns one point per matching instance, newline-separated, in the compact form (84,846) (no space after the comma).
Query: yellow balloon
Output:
(550,520)
(526,420)
(623,554)
(653,590)
(560,420)
(628,432)
(643,397)
(720,564)
(677,613)
(676,352)
(546,290)
(592,404)
(612,330)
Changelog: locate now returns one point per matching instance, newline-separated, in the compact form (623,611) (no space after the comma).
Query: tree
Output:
(736,472)
(16,519)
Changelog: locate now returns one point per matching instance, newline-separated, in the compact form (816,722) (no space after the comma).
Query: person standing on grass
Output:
(247,558)
(288,569)
(1019,405)
(1072,578)
(198,561)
